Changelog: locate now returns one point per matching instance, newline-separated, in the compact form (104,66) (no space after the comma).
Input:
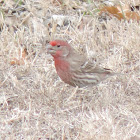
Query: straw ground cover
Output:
(36,104)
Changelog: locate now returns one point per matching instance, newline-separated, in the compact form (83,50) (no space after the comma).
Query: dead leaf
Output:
(24,53)
(120,12)
(132,15)
(57,2)
(16,61)
(22,58)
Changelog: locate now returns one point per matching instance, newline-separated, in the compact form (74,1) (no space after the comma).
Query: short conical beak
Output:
(50,49)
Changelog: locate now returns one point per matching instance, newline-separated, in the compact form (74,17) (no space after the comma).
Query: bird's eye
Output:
(58,46)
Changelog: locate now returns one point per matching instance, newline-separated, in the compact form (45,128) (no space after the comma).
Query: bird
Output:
(75,69)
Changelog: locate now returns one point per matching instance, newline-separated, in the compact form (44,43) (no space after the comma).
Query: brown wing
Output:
(90,67)
(81,64)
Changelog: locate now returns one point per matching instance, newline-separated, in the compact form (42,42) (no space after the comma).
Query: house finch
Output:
(73,68)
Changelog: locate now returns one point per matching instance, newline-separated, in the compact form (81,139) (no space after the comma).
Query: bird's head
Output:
(59,48)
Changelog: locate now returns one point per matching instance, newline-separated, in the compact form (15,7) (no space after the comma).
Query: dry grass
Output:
(36,104)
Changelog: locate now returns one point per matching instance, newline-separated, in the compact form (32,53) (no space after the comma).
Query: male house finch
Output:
(73,68)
